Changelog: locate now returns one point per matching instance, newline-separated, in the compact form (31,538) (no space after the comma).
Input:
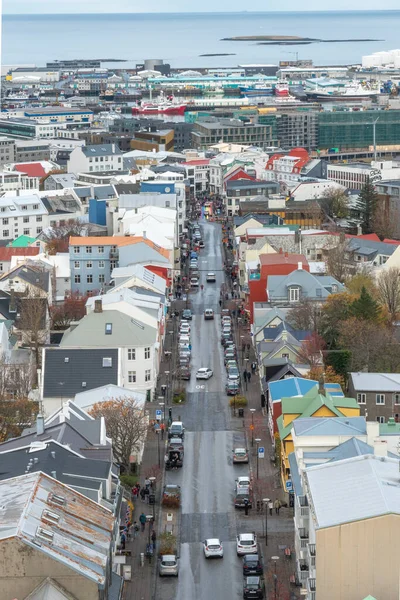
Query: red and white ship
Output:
(163,106)
(281,89)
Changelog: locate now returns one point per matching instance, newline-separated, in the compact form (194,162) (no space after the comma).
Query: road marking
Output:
(200,387)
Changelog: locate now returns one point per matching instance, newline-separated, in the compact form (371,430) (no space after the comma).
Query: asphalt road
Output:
(208,475)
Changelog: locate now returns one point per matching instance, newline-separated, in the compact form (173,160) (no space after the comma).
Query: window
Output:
(89,264)
(108,328)
(101,249)
(380,419)
(6,233)
(88,249)
(294,294)
(102,278)
(334,288)
(77,279)
(26,231)
(380,398)
(319,292)
(77,249)
(131,354)
(107,362)
(285,355)
(396,398)
(26,219)
(101,264)
(361,398)
(147,352)
(5,221)
(77,264)
(39,219)
(89,279)
(39,230)
(132,376)
(113,264)
(24,207)
(147,375)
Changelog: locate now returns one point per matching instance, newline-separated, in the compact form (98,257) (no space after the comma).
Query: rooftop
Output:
(282,259)
(100,149)
(376,382)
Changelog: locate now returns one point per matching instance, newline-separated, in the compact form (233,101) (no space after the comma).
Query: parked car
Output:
(240,455)
(171,491)
(194,282)
(233,378)
(184,360)
(176,430)
(229,357)
(175,444)
(225,312)
(231,364)
(242,482)
(253,587)
(201,244)
(208,314)
(210,277)
(252,565)
(184,329)
(232,388)
(213,548)
(243,497)
(184,373)
(246,543)
(204,373)
(187,314)
(226,319)
(168,566)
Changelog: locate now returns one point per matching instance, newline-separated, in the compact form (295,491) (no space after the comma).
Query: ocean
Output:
(180,39)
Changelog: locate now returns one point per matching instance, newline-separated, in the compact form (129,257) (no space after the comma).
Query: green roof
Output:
(283,431)
(369,598)
(23,241)
(389,428)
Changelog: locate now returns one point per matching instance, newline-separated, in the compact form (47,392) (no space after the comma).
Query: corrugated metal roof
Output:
(330,426)
(335,489)
(376,382)
(79,537)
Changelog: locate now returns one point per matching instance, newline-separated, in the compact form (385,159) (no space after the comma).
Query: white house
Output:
(22,215)
(102,157)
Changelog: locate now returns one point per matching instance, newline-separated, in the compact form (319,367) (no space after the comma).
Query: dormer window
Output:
(294,294)
(108,328)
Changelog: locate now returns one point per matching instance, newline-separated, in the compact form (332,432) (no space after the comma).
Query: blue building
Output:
(92,260)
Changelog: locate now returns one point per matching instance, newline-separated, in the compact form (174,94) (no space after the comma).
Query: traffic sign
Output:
(251,427)
(261,452)
(289,486)
(158,415)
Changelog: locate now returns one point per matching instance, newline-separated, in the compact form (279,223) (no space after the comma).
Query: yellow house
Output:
(316,403)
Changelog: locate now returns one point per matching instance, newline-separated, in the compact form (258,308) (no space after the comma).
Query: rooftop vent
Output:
(45,534)
(59,500)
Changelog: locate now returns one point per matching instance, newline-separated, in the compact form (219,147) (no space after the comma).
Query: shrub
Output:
(238,402)
(179,397)
(167,543)
(128,481)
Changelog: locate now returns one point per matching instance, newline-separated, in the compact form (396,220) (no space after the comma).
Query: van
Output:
(208,314)
(184,339)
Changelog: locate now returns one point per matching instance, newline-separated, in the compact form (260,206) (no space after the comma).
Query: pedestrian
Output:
(253,367)
(142,494)
(134,492)
(244,375)
(153,539)
(138,488)
(248,376)
(277,505)
(142,520)
(147,483)
(270,507)
(123,540)
(220,302)
(146,494)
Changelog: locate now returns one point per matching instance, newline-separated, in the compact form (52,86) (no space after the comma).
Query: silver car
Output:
(168,566)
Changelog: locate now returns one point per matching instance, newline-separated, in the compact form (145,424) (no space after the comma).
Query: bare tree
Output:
(305,316)
(311,351)
(126,425)
(15,415)
(335,203)
(339,263)
(33,323)
(389,291)
(57,238)
(16,379)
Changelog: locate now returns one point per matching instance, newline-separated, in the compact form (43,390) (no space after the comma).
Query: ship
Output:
(256,91)
(165,107)
(281,89)
(353,91)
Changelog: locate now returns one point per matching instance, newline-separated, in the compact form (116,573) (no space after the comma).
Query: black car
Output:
(253,587)
(252,565)
(232,388)
(187,314)
(184,373)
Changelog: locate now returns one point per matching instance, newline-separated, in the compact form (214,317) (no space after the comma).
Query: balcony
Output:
(114,253)
(302,506)
(302,571)
(311,587)
(303,533)
(311,554)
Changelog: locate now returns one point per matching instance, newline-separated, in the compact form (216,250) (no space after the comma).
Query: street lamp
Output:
(252,410)
(257,440)
(166,373)
(162,404)
(275,559)
(266,501)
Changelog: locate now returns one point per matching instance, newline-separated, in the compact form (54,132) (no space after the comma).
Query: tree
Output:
(311,351)
(362,279)
(15,415)
(72,309)
(389,291)
(305,316)
(335,204)
(57,238)
(126,424)
(335,310)
(368,200)
(329,374)
(33,323)
(365,307)
(339,264)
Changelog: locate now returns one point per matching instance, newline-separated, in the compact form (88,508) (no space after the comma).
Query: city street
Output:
(208,475)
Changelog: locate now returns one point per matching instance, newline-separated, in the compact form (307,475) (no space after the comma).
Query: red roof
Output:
(31,169)
(282,258)
(197,163)
(300,153)
(7,252)
(394,242)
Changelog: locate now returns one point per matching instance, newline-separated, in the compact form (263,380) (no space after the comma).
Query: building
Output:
(300,284)
(378,395)
(89,159)
(31,151)
(286,168)
(296,128)
(22,215)
(7,150)
(198,174)
(153,140)
(23,128)
(36,74)
(389,201)
(353,175)
(54,542)
(59,114)
(245,190)
(352,545)
(208,133)
(8,253)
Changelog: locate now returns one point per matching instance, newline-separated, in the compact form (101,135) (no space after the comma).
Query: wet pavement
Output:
(208,475)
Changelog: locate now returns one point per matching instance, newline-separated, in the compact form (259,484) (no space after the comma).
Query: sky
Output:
(128,6)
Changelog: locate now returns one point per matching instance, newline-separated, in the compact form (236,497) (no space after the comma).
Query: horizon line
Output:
(224,12)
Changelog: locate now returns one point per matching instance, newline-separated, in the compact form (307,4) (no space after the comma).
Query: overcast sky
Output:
(125,6)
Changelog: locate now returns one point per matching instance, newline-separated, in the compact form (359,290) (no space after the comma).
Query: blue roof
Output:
(298,386)
(295,475)
(330,426)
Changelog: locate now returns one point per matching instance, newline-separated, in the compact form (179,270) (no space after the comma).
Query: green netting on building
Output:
(355,129)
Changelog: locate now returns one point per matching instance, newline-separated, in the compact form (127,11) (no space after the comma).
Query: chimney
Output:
(144,235)
(103,432)
(372,431)
(54,474)
(359,230)
(40,424)
(12,307)
(321,385)
(299,266)
(98,306)
(380,447)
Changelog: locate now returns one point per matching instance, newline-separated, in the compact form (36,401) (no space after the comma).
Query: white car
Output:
(246,543)
(194,282)
(213,548)
(243,482)
(204,373)
(184,329)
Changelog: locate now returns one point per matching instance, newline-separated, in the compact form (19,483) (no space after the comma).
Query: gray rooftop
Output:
(335,489)
(64,378)
(328,426)
(101,150)
(312,286)
(109,329)
(376,382)
(98,192)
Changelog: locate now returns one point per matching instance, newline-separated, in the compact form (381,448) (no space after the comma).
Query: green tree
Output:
(365,307)
(368,200)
